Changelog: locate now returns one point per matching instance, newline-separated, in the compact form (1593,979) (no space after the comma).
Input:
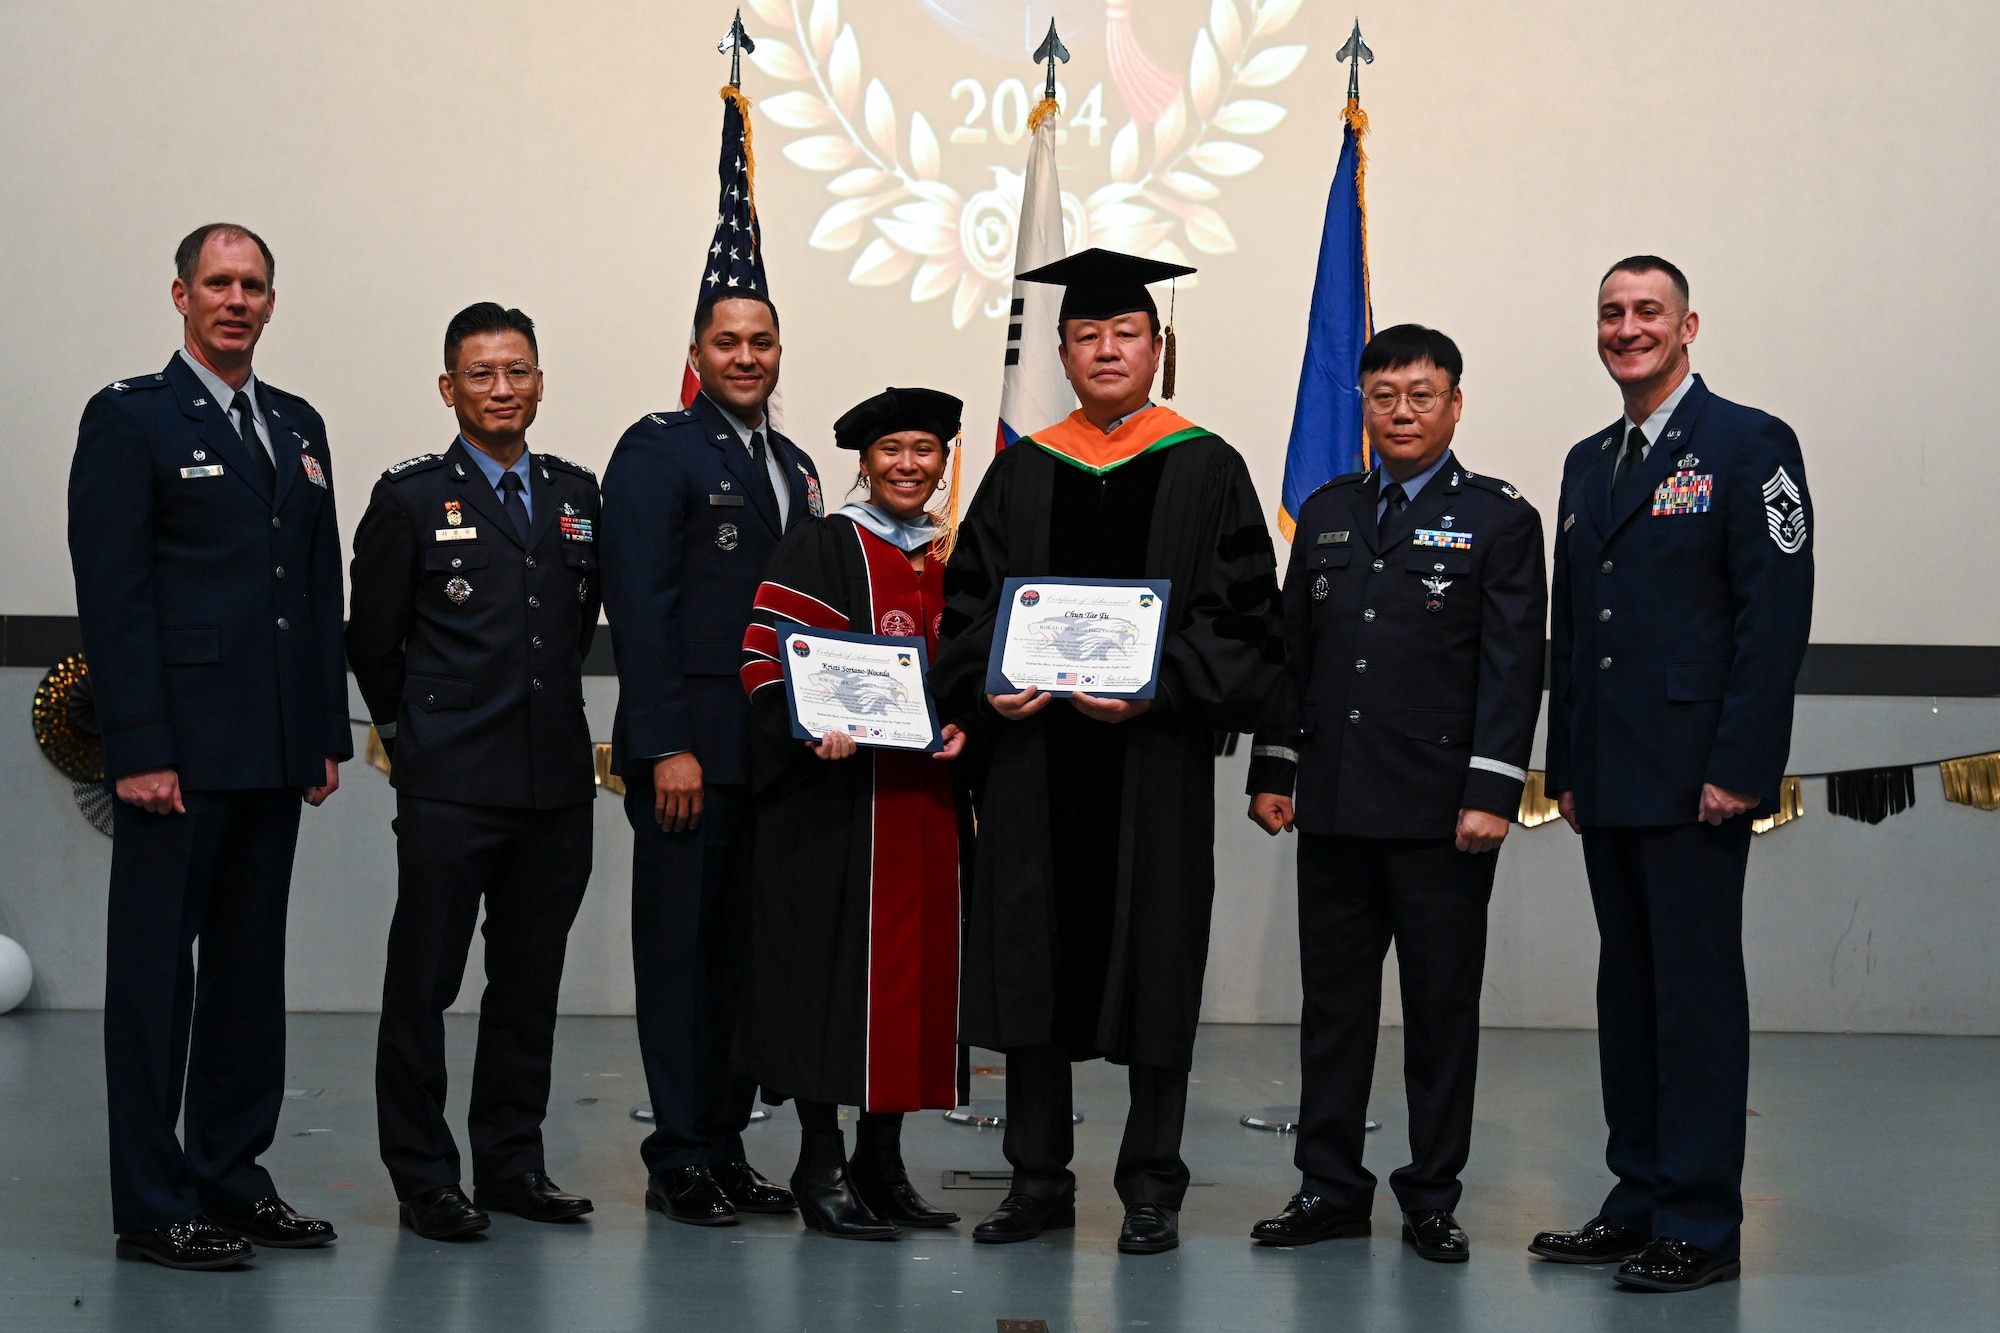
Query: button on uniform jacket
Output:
(1415,657)
(1680,619)
(686,540)
(469,642)
(209,599)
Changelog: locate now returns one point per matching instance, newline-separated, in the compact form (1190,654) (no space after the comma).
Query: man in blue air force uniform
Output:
(476,591)
(694,504)
(207,562)
(1414,607)
(1683,599)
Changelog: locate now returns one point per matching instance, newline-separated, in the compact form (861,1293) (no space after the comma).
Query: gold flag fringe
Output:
(610,781)
(1972,780)
(742,100)
(1537,806)
(1044,110)
(1791,805)
(1357,120)
(377,754)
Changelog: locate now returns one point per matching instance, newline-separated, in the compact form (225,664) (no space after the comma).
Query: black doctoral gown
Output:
(1087,914)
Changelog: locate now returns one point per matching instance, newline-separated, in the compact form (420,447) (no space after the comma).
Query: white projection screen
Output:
(1823,173)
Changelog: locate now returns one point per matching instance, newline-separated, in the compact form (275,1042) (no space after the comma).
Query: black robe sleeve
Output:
(810,581)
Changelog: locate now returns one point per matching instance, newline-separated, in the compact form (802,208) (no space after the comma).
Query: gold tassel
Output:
(1972,780)
(607,779)
(1791,805)
(947,541)
(1044,109)
(1537,806)
(377,754)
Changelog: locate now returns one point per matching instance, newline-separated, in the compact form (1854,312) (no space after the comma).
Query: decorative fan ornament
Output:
(66,727)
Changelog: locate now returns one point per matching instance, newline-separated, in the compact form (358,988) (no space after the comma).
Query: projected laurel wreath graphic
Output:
(898,186)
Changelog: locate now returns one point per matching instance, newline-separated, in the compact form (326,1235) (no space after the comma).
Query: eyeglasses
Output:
(1422,401)
(481,376)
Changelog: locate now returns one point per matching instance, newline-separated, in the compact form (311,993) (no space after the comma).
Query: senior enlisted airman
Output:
(1683,600)
(1414,606)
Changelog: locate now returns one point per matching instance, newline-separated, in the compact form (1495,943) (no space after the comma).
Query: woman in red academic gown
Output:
(854,997)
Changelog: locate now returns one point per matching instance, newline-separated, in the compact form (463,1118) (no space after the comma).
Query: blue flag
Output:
(1328,429)
(736,252)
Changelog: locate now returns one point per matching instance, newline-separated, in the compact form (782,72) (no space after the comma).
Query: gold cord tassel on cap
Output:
(947,540)
(1973,780)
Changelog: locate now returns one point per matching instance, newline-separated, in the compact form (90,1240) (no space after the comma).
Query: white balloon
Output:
(16,975)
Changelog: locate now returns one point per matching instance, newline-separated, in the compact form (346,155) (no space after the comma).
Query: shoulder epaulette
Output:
(411,466)
(1487,483)
(566,465)
(685,416)
(282,393)
(155,381)
(1340,480)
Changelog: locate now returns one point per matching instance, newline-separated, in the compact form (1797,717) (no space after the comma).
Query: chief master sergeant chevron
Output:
(1682,602)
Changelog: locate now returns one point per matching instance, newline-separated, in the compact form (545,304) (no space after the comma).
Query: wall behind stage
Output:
(1822,172)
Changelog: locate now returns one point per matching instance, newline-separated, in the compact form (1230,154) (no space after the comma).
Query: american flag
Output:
(736,254)
(1065,677)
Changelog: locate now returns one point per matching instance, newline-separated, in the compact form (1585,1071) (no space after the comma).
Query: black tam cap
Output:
(894,410)
(1103,284)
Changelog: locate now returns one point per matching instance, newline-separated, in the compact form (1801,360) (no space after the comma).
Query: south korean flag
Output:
(1785,513)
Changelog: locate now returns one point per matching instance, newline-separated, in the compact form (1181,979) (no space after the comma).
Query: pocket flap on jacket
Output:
(1439,727)
(432,693)
(1336,557)
(186,645)
(468,556)
(1424,560)
(1695,682)
(578,556)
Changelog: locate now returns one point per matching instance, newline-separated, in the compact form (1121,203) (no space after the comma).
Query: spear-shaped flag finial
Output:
(733,44)
(1050,51)
(1354,55)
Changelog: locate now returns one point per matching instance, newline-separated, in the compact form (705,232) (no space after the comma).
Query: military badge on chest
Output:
(458,590)
(1320,588)
(1685,492)
(725,537)
(814,505)
(575,527)
(1434,585)
(453,515)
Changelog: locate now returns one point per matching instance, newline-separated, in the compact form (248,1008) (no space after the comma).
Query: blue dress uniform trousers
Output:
(689,528)
(208,593)
(1678,623)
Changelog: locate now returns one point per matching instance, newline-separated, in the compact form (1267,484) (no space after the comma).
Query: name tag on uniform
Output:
(1443,539)
(1331,539)
(730,501)
(212,470)
(456,534)
(1684,493)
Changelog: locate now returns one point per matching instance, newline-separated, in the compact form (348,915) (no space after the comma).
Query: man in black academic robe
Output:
(1087,916)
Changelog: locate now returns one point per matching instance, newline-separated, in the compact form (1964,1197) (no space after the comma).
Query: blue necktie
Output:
(511,501)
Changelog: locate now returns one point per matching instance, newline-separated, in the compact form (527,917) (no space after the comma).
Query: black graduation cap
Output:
(894,410)
(1103,284)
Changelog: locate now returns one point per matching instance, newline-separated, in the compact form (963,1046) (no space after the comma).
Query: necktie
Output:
(1394,501)
(1623,476)
(760,465)
(511,501)
(240,416)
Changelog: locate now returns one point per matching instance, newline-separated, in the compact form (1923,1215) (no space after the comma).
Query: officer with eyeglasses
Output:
(1414,605)
(475,597)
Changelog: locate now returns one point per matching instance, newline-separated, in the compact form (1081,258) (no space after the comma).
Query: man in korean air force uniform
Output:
(1682,603)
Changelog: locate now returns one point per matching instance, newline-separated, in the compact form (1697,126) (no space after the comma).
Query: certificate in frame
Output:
(872,687)
(1100,637)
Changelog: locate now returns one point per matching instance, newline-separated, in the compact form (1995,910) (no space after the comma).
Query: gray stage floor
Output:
(1873,1175)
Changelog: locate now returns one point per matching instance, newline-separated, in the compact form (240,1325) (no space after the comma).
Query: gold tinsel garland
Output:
(1537,806)
(1791,805)
(1972,780)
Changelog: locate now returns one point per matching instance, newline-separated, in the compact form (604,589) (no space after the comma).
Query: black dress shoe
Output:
(531,1195)
(1599,1242)
(1024,1217)
(1308,1219)
(194,1244)
(826,1202)
(442,1214)
(690,1194)
(883,1183)
(1674,1265)
(749,1191)
(1149,1229)
(272,1222)
(1435,1235)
